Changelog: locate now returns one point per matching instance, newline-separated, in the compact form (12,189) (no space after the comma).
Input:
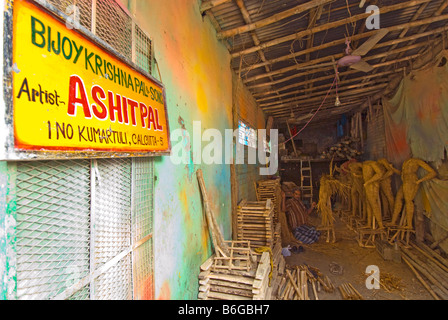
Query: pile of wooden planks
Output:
(430,268)
(303,283)
(270,189)
(255,223)
(220,284)
(221,279)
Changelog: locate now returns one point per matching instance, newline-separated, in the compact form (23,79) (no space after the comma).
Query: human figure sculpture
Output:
(357,188)
(386,185)
(409,188)
(346,178)
(372,174)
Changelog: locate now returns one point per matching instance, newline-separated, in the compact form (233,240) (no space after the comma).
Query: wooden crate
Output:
(255,223)
(270,189)
(240,257)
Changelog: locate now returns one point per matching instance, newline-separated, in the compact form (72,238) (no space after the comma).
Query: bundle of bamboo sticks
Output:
(430,268)
(347,148)
(349,292)
(303,283)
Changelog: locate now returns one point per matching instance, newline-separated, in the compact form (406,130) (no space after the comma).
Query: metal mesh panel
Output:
(53,209)
(112,228)
(85,12)
(143,50)
(142,218)
(114,26)
(84,7)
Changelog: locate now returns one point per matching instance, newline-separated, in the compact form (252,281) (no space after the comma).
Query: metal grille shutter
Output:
(111,228)
(53,217)
(75,218)
(142,227)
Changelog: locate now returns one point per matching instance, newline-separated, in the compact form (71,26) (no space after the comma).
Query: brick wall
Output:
(247,110)
(375,143)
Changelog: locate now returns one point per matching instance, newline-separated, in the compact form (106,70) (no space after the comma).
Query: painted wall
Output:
(194,67)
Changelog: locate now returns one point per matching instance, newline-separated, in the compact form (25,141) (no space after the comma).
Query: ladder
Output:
(306,180)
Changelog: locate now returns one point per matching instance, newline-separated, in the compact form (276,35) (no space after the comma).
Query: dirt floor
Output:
(354,260)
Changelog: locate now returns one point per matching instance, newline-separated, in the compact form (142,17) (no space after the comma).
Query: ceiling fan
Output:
(353,58)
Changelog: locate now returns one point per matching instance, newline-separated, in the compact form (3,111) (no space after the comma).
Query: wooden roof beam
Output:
(327,26)
(385,54)
(347,84)
(342,94)
(358,79)
(417,23)
(312,108)
(274,18)
(207,5)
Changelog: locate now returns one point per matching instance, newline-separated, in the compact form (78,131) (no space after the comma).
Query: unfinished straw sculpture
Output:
(329,186)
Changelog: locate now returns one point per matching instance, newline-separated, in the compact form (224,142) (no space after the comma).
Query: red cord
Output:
(306,125)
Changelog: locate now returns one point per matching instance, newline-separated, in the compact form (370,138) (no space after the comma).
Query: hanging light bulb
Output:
(338,102)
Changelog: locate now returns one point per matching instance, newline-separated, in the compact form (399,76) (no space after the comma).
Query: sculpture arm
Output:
(395,170)
(388,174)
(378,174)
(431,172)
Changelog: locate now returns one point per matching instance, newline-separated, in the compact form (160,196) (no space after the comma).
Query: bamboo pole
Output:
(217,237)
(272,19)
(427,274)
(268,95)
(431,257)
(320,96)
(294,103)
(330,58)
(326,86)
(423,282)
(418,23)
(434,254)
(326,26)
(296,288)
(207,5)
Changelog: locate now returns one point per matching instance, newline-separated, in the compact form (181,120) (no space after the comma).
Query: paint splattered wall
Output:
(194,67)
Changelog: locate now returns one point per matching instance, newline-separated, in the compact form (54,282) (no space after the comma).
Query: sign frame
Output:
(8,149)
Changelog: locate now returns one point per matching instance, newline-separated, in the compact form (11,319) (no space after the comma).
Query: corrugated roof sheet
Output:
(278,73)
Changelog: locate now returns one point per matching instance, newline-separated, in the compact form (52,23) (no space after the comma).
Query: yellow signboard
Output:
(70,94)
